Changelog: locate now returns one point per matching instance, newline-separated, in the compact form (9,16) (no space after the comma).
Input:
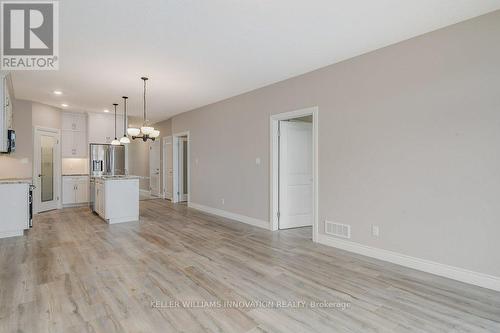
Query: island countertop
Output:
(16,181)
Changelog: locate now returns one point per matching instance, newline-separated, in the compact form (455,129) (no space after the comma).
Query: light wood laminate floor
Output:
(74,273)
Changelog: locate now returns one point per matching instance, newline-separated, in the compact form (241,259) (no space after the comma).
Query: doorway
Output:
(46,169)
(294,170)
(154,168)
(167,177)
(181,167)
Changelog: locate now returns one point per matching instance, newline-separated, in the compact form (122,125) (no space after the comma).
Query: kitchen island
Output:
(117,198)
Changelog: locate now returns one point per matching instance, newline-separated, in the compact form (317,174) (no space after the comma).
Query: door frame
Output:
(274,165)
(175,164)
(159,167)
(167,140)
(57,166)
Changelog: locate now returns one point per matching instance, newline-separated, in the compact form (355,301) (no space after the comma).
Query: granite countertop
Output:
(16,181)
(106,178)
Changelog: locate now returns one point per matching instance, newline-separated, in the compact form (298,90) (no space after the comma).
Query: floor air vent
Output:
(338,229)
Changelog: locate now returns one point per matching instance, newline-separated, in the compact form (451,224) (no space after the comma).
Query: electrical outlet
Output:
(223,201)
(375,231)
(257,161)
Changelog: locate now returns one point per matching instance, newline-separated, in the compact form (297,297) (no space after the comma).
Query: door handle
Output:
(40,175)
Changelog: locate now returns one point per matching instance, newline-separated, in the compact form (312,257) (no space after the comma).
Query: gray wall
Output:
(409,139)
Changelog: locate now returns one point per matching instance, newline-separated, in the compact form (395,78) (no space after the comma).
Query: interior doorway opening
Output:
(294,170)
(168,172)
(154,168)
(181,167)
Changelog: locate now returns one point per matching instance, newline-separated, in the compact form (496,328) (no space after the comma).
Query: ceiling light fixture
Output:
(106,110)
(125,138)
(147,130)
(64,105)
(57,92)
(115,142)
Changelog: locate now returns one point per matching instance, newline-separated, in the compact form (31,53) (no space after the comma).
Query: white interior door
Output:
(47,169)
(295,174)
(167,167)
(154,168)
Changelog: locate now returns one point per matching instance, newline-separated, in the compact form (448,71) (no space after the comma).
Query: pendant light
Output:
(124,139)
(115,142)
(147,130)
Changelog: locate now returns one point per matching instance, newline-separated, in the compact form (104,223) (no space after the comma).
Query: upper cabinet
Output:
(74,135)
(5,111)
(102,127)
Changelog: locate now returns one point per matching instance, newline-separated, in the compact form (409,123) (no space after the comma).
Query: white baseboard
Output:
(229,215)
(15,233)
(123,219)
(455,273)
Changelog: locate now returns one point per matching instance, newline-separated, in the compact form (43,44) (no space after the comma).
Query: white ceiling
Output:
(197,52)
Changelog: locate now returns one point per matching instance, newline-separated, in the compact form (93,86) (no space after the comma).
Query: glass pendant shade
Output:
(124,140)
(115,142)
(155,134)
(133,131)
(147,130)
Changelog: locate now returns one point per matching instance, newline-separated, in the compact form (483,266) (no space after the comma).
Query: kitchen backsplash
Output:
(72,166)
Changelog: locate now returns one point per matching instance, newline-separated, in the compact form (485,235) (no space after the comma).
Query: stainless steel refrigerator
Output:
(105,160)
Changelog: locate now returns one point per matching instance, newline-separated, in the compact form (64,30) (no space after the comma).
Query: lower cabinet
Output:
(75,190)
(99,199)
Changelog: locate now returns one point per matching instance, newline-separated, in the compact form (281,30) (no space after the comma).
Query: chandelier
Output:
(147,131)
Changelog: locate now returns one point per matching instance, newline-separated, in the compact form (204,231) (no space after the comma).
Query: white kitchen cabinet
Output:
(14,207)
(74,121)
(99,199)
(5,111)
(74,135)
(102,127)
(75,190)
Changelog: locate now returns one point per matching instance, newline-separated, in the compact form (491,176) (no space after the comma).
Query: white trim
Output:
(144,192)
(6,234)
(175,155)
(233,216)
(167,140)
(273,128)
(451,272)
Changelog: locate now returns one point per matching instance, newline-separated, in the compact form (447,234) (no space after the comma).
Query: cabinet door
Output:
(80,144)
(68,190)
(67,145)
(82,192)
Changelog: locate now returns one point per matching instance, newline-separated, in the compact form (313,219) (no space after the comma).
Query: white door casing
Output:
(295,174)
(182,149)
(154,167)
(274,163)
(167,168)
(47,169)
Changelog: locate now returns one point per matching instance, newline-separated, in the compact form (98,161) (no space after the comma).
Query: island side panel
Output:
(121,200)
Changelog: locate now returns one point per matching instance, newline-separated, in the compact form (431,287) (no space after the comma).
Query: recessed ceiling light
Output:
(64,105)
(57,92)
(106,110)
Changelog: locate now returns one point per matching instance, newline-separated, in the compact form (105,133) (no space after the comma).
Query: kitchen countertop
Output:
(16,181)
(76,175)
(106,178)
